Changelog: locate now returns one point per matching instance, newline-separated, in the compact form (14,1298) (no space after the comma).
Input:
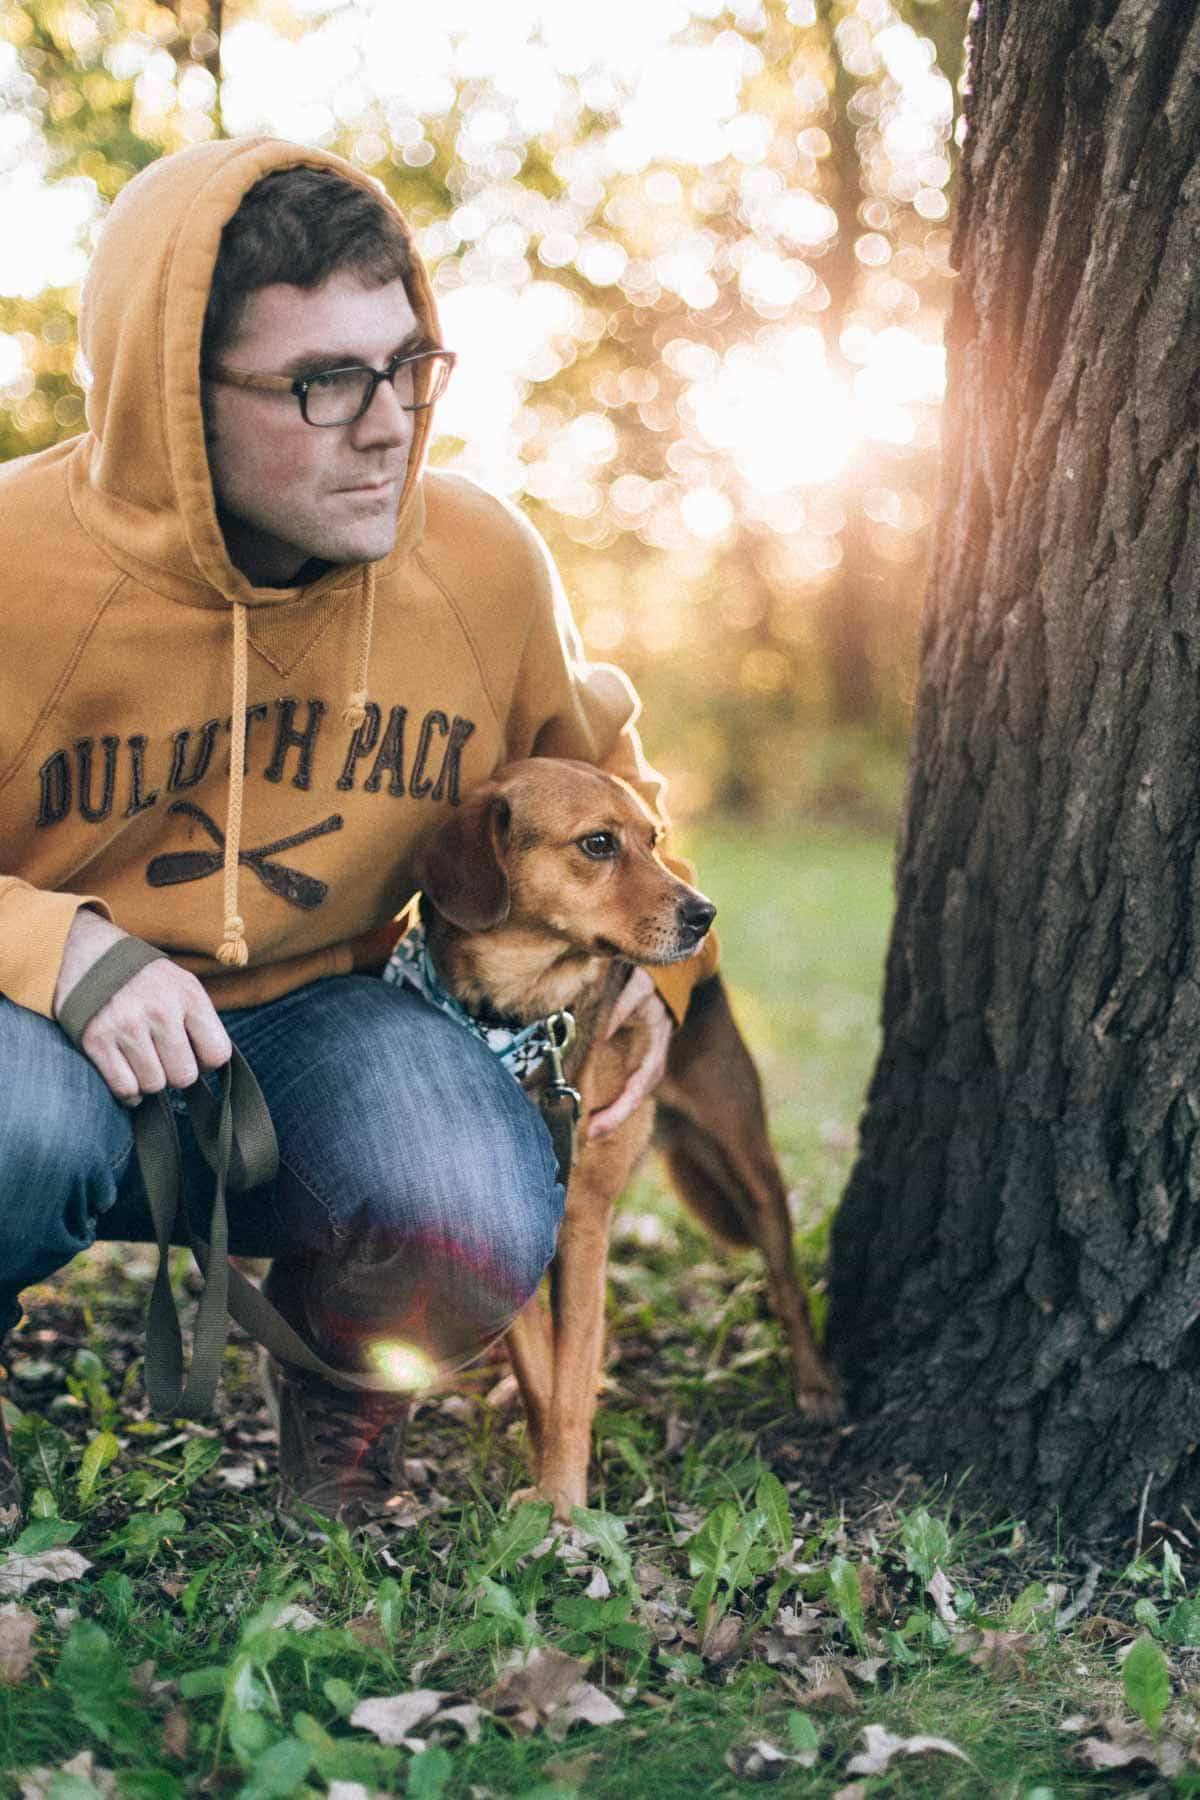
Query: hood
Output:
(141,480)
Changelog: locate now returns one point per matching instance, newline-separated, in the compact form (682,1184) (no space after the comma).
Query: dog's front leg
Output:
(578,1288)
(530,1345)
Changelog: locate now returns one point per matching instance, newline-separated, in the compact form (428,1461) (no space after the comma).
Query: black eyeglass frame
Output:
(300,384)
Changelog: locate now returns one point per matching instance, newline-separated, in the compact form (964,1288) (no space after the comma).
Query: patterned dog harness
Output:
(522,1049)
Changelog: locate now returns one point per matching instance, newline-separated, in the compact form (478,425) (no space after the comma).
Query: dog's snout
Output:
(696,914)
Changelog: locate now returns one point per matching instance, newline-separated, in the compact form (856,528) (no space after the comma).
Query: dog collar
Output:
(521,1049)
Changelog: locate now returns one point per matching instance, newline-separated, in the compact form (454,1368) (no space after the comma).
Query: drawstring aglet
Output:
(233,950)
(354,713)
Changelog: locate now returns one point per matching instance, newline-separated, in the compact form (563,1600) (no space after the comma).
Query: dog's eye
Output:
(600,845)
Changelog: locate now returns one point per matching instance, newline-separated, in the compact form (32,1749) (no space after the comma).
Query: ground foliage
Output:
(725,1613)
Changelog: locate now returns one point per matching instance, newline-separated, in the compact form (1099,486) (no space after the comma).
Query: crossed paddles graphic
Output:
(292,885)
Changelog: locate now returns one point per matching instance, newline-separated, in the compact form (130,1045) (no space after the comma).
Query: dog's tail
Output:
(711,1125)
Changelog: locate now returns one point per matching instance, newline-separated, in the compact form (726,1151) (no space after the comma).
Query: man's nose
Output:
(385,420)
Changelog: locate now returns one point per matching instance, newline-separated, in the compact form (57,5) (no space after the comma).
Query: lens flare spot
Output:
(409,1368)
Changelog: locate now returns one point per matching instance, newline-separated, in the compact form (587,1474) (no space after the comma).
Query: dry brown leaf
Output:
(10,1518)
(883,1745)
(528,1692)
(466,1717)
(598,1588)
(867,1668)
(371,1635)
(394,1717)
(175,1732)
(20,1573)
(1168,1756)
(1000,1653)
(584,1705)
(1101,1629)
(721,1641)
(941,1592)
(143,1676)
(35,1784)
(17,1626)
(834,1694)
(874,1592)
(761,1760)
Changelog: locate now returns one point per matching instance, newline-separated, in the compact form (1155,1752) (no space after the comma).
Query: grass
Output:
(720,1592)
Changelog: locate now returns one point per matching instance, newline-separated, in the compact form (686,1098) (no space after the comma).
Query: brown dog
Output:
(539,892)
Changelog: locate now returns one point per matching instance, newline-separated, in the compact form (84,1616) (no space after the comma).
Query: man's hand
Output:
(639,998)
(158,1030)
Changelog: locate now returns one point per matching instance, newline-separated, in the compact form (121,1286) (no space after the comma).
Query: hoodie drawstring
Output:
(355,714)
(233,950)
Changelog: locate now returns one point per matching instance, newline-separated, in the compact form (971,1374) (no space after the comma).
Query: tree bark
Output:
(1016,1263)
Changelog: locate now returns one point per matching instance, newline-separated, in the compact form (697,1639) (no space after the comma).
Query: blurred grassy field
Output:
(803,917)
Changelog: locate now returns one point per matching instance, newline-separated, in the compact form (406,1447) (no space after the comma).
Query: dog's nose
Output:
(696,914)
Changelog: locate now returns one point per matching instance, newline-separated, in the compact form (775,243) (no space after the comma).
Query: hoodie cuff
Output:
(33,932)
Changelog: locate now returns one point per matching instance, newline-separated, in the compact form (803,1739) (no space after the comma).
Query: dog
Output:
(538,894)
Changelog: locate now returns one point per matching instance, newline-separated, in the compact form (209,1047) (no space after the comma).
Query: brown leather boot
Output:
(340,1452)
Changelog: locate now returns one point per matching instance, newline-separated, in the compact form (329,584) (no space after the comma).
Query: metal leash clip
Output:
(560,1031)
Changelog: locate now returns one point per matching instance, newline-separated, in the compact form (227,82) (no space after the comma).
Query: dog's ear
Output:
(461,868)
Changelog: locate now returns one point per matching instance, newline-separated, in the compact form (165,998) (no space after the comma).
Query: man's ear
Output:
(461,867)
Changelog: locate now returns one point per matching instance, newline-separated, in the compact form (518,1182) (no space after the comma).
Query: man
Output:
(253,652)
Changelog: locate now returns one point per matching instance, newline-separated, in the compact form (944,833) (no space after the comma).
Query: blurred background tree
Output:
(694,257)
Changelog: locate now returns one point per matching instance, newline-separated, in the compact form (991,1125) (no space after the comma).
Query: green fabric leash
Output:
(237,1140)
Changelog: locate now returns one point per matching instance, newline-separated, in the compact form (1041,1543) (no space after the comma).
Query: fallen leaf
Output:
(371,1635)
(720,1642)
(10,1518)
(395,1717)
(466,1716)
(873,1591)
(295,1618)
(598,1587)
(20,1573)
(1127,1743)
(1100,1629)
(883,1745)
(857,1790)
(834,1694)
(175,1732)
(760,1760)
(1000,1653)
(941,1592)
(348,1790)
(867,1668)
(529,1691)
(1075,1724)
(17,1626)
(238,1476)
(585,1704)
(36,1784)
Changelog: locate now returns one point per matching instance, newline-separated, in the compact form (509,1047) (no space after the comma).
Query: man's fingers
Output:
(637,989)
(209,1038)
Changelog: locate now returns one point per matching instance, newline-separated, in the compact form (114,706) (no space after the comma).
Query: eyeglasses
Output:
(342,396)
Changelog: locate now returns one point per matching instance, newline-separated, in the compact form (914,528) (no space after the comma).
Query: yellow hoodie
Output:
(133,650)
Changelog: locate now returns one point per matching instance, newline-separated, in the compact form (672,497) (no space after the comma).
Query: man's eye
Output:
(599,845)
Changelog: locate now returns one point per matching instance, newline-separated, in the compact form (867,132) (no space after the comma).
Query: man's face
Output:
(286,491)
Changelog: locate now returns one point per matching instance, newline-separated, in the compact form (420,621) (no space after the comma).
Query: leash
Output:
(237,1140)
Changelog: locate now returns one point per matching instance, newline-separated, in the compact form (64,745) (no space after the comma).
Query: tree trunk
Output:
(1016,1264)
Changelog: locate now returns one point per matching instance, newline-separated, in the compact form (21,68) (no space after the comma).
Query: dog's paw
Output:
(819,1405)
(560,1499)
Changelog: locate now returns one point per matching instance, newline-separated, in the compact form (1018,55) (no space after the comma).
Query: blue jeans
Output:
(417,1198)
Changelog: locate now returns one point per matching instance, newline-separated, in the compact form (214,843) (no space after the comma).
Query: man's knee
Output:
(64,1142)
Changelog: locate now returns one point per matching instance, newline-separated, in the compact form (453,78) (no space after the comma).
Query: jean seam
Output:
(290,1169)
